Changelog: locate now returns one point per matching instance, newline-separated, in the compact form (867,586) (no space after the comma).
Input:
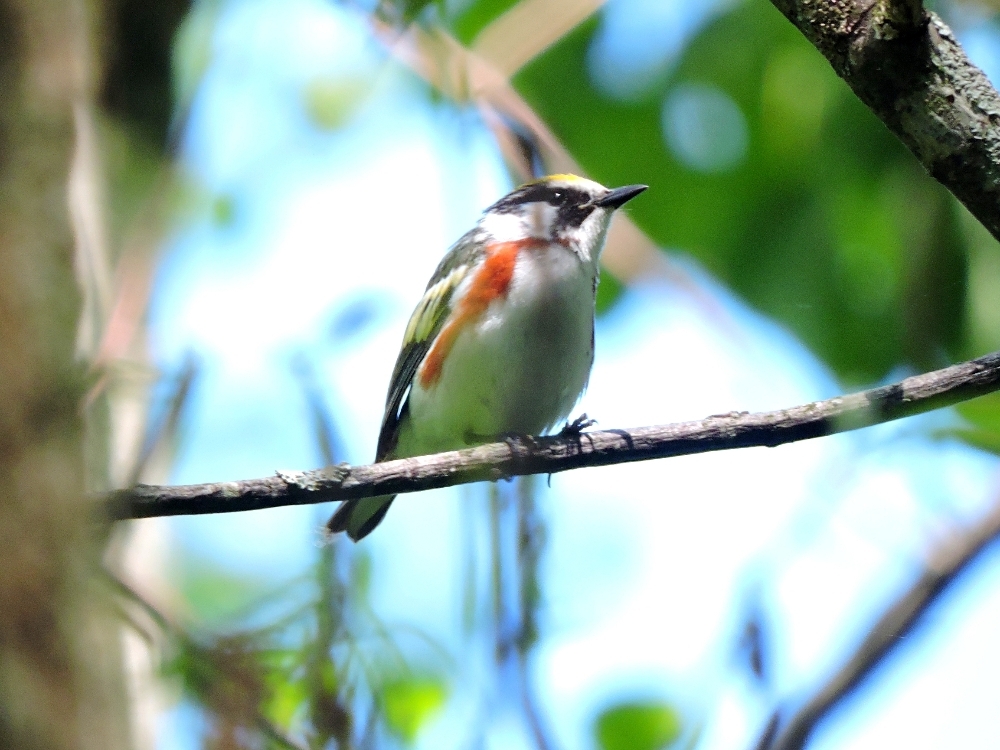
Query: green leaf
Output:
(287,697)
(408,704)
(638,726)
(983,411)
(189,665)
(983,417)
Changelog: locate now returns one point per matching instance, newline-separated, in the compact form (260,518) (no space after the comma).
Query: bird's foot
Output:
(577,426)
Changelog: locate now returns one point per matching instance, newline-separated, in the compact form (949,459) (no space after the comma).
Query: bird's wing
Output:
(426,321)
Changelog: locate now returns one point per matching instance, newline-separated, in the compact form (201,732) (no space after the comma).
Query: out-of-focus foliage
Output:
(263,671)
(132,165)
(330,101)
(638,726)
(983,418)
(227,677)
(765,167)
(476,16)
(403,12)
(218,596)
(982,414)
(608,292)
(192,52)
(409,703)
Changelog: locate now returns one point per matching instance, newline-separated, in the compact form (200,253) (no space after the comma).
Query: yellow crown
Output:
(555,177)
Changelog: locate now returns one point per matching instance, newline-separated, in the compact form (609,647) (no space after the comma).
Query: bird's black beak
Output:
(619,196)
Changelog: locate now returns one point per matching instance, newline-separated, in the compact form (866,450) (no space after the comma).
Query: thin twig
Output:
(162,436)
(943,565)
(549,455)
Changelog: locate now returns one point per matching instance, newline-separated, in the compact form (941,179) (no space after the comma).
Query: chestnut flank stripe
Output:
(490,282)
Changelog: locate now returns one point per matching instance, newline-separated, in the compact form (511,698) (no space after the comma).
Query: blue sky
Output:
(329,238)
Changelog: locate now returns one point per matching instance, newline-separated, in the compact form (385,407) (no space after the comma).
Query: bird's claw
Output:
(577,426)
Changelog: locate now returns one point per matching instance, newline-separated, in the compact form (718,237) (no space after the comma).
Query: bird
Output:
(502,342)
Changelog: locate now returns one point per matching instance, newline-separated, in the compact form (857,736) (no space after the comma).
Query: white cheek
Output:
(503,227)
(535,220)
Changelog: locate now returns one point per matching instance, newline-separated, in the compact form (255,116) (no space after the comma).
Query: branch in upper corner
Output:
(908,68)
(942,567)
(494,461)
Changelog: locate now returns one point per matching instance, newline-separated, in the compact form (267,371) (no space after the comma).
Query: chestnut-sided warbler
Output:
(503,340)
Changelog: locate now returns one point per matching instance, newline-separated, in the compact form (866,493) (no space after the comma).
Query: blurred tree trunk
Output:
(60,671)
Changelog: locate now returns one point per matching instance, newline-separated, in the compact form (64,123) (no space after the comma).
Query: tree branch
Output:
(907,67)
(549,455)
(943,565)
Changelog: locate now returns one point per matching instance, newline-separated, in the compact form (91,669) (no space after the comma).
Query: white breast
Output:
(520,369)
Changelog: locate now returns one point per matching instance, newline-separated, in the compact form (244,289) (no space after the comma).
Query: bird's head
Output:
(562,208)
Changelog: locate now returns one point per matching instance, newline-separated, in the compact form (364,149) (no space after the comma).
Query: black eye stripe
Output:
(561,197)
(573,215)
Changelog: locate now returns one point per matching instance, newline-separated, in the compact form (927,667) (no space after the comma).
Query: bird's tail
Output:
(359,516)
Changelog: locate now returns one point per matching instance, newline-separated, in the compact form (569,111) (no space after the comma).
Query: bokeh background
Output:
(273,226)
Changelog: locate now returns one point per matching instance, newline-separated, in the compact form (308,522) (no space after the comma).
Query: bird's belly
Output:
(519,369)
